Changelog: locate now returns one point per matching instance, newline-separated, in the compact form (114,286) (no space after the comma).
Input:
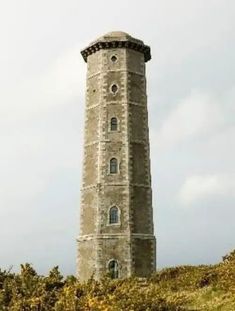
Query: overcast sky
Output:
(191,100)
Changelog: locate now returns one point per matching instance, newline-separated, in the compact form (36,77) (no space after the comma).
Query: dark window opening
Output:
(114,88)
(113,269)
(113,166)
(114,124)
(114,58)
(113,215)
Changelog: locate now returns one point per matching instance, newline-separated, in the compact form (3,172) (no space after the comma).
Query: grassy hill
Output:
(180,288)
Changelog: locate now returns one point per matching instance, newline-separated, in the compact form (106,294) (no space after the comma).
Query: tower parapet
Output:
(117,39)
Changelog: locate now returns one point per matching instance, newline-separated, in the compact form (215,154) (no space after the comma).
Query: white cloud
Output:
(37,130)
(199,187)
(41,138)
(64,79)
(194,115)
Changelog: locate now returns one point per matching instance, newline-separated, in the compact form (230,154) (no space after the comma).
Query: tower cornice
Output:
(117,40)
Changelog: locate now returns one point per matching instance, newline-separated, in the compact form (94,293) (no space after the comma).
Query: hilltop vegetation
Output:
(180,288)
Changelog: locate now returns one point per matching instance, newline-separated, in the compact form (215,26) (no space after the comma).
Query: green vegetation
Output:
(179,288)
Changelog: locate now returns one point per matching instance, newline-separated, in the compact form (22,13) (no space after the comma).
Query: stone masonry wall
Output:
(130,241)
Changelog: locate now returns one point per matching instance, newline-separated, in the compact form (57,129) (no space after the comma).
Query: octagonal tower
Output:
(116,220)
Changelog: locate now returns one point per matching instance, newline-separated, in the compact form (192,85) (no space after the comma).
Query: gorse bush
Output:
(180,288)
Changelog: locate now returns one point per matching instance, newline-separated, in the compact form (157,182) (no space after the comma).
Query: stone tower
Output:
(116,221)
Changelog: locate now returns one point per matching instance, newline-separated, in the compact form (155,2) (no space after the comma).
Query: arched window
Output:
(114,124)
(113,215)
(113,166)
(113,269)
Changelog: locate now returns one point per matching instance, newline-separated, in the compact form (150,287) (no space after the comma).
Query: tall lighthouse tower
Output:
(116,220)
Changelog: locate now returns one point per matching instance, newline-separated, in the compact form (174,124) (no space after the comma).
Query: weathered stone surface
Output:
(116,88)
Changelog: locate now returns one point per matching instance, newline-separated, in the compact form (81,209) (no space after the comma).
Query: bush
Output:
(171,289)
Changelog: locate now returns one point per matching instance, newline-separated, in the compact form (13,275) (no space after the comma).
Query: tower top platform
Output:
(117,39)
